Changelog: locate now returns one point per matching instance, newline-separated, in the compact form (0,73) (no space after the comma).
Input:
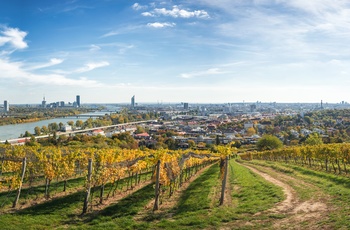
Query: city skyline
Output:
(172,51)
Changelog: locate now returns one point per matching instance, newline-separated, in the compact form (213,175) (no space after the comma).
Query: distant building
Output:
(61,103)
(186,105)
(252,108)
(133,102)
(78,100)
(66,128)
(6,106)
(43,103)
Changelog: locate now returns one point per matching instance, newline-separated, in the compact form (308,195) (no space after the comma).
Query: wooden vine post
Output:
(156,202)
(87,196)
(2,152)
(223,187)
(24,164)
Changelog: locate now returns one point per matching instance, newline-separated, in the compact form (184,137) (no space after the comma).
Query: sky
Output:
(204,51)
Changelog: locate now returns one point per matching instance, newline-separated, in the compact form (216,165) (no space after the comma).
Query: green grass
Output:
(255,193)
(252,194)
(336,186)
(59,211)
(36,192)
(304,192)
(120,215)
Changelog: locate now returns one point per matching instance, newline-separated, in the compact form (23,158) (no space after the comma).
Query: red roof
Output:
(142,135)
(98,131)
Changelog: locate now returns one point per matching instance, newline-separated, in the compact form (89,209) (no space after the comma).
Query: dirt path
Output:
(298,214)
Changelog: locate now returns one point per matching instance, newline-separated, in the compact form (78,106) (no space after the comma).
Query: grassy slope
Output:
(60,211)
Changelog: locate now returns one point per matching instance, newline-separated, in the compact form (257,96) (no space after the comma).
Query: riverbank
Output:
(19,115)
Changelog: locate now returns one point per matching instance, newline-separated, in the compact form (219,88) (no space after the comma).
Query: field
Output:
(259,195)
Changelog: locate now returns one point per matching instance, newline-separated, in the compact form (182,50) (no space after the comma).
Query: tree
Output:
(44,129)
(32,142)
(60,125)
(268,142)
(170,142)
(79,123)
(71,123)
(250,131)
(37,131)
(53,127)
(191,144)
(27,134)
(313,139)
(139,129)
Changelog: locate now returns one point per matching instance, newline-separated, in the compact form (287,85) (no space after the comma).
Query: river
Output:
(8,132)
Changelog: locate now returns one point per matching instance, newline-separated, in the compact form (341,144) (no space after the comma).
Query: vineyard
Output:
(111,188)
(327,157)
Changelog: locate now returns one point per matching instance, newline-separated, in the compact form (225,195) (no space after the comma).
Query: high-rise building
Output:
(186,105)
(133,102)
(43,103)
(78,100)
(6,106)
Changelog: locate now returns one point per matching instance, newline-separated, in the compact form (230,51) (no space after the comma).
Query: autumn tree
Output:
(79,123)
(250,131)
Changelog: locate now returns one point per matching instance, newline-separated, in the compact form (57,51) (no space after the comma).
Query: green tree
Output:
(37,131)
(313,139)
(268,142)
(53,127)
(32,142)
(79,123)
(44,129)
(139,129)
(27,134)
(170,142)
(60,125)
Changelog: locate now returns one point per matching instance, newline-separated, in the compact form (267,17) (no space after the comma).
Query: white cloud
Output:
(53,61)
(15,71)
(91,66)
(94,48)
(137,6)
(212,71)
(176,12)
(124,29)
(13,36)
(161,24)
(147,14)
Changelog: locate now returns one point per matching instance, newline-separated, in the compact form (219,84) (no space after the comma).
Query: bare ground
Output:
(299,214)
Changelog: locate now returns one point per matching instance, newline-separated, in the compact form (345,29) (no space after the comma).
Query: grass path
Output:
(308,214)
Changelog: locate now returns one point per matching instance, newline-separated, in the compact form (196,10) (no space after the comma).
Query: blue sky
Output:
(175,51)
